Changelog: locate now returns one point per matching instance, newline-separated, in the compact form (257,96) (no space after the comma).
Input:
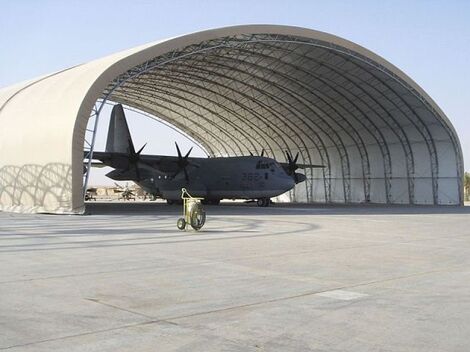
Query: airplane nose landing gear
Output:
(263,202)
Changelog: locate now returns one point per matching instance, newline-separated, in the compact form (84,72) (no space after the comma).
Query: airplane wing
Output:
(303,166)
(162,163)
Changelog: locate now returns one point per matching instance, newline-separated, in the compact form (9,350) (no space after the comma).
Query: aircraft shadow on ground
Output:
(103,237)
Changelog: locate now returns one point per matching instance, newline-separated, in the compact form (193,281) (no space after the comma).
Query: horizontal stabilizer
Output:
(130,174)
(93,164)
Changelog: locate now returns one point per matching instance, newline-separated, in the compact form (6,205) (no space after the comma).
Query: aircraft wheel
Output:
(197,216)
(170,202)
(181,224)
(263,202)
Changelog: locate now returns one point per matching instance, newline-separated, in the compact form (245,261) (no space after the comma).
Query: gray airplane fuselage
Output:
(245,177)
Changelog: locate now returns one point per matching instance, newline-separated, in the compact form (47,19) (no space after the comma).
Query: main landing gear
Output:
(263,202)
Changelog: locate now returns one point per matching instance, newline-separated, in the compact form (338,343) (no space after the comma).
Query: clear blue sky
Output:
(428,40)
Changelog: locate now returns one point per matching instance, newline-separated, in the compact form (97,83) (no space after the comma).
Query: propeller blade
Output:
(262,152)
(178,150)
(292,164)
(289,159)
(296,157)
(251,153)
(187,154)
(140,150)
(137,172)
(183,162)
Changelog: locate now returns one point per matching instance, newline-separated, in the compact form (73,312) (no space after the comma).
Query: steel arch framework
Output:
(244,93)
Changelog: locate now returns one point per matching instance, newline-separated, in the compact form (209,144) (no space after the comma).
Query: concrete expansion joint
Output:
(97,301)
(355,295)
(152,321)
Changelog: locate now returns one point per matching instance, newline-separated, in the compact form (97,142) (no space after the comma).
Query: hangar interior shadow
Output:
(103,233)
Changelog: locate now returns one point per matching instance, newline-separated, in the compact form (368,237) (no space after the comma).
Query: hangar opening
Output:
(238,90)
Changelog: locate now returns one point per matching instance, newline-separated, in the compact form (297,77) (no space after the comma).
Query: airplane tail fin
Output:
(119,138)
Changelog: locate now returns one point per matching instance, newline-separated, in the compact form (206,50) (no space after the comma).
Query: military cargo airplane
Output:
(242,177)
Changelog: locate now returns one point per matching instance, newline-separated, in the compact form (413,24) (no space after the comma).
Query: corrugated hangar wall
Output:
(238,90)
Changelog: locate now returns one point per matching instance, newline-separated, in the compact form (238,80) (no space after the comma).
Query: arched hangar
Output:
(238,90)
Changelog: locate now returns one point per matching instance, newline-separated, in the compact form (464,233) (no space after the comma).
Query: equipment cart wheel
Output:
(181,223)
(197,216)
(193,212)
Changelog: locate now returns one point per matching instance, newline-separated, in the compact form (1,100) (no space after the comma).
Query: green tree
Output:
(466,185)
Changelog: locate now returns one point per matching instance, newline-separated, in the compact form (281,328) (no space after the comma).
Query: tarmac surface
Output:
(283,278)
